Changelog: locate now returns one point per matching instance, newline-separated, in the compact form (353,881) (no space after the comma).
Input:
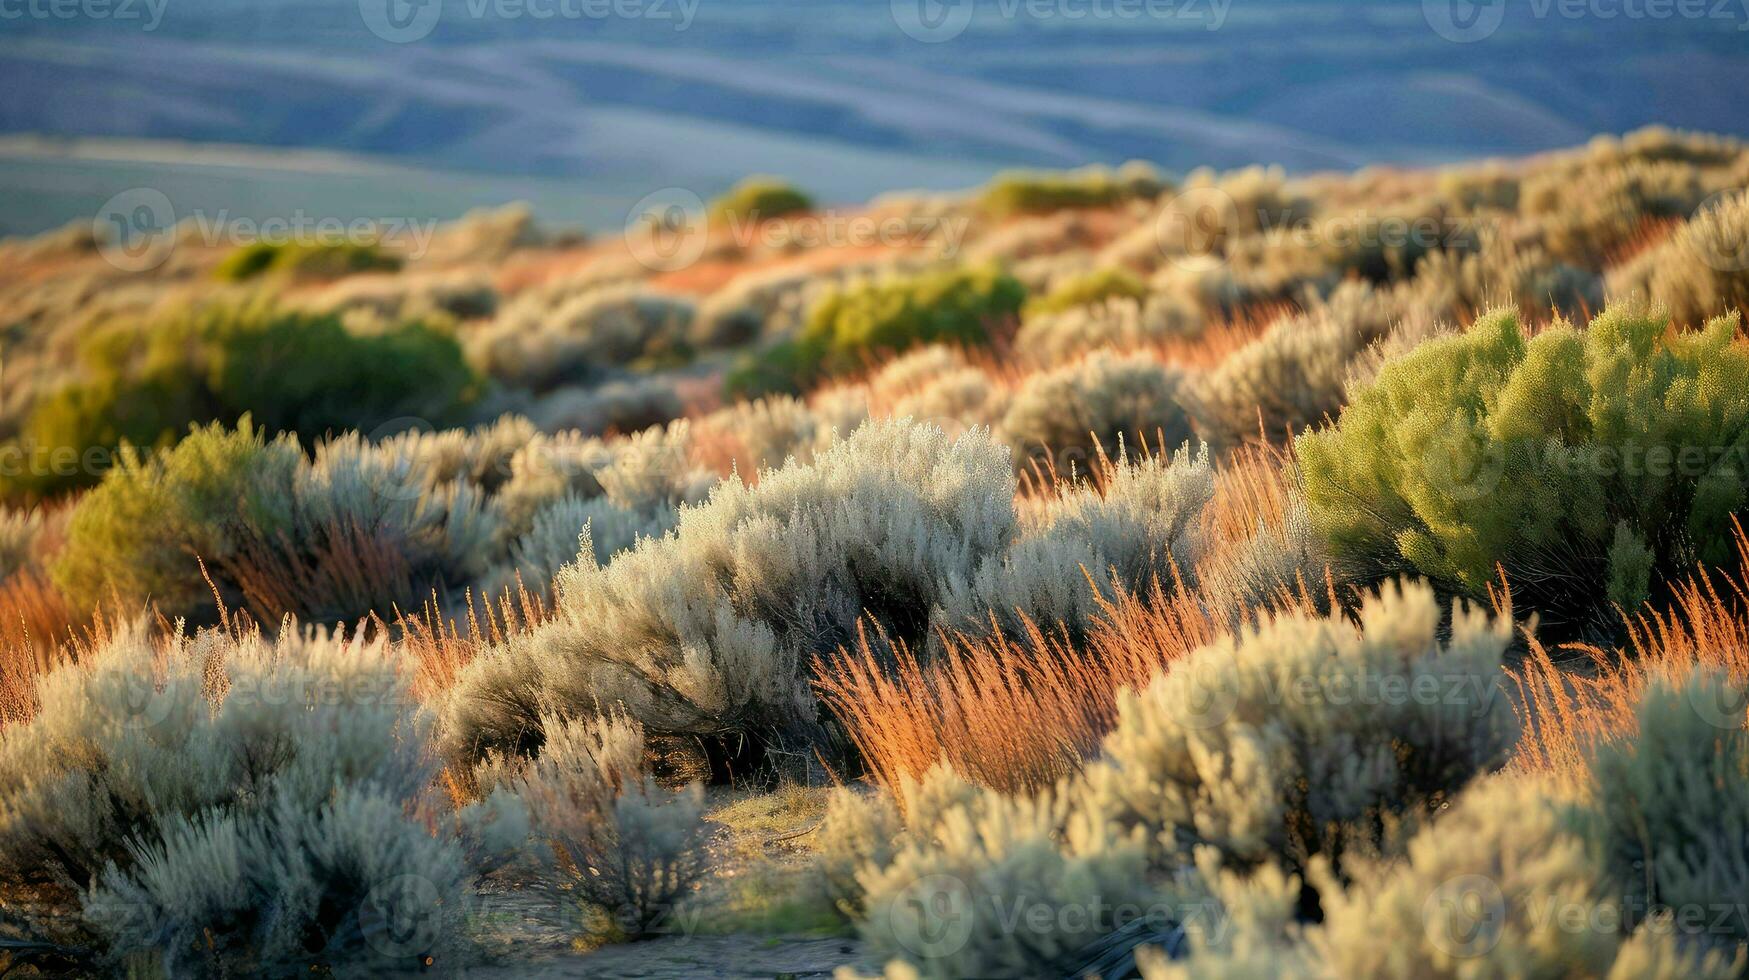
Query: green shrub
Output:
(851,325)
(354,531)
(1087,289)
(1021,192)
(328,261)
(293,372)
(1562,459)
(759,199)
(222,805)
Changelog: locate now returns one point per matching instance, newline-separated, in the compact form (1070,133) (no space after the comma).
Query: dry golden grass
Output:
(1582,696)
(37,628)
(1014,713)
(442,643)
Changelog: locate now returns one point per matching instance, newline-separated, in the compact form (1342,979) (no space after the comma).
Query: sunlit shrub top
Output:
(1579,461)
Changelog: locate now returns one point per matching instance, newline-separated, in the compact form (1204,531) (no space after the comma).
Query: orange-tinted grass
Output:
(1015,714)
(441,644)
(36,629)
(1570,704)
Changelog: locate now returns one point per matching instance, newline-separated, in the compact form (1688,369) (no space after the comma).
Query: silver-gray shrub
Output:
(1236,790)
(223,803)
(1295,375)
(1119,324)
(1303,734)
(1061,417)
(538,346)
(1668,812)
(627,845)
(1701,271)
(19,531)
(707,630)
(1073,553)
(621,489)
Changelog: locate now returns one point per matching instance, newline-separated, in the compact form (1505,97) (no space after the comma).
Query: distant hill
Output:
(838,94)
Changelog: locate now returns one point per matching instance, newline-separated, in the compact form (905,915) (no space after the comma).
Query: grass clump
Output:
(320,261)
(1584,463)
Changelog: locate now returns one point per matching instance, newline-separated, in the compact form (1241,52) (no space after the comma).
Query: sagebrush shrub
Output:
(1141,527)
(986,885)
(352,531)
(1236,790)
(223,803)
(1292,377)
(1496,885)
(1021,192)
(1575,460)
(1668,811)
(706,631)
(1702,271)
(1306,735)
(1119,324)
(580,336)
(628,846)
(1060,418)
